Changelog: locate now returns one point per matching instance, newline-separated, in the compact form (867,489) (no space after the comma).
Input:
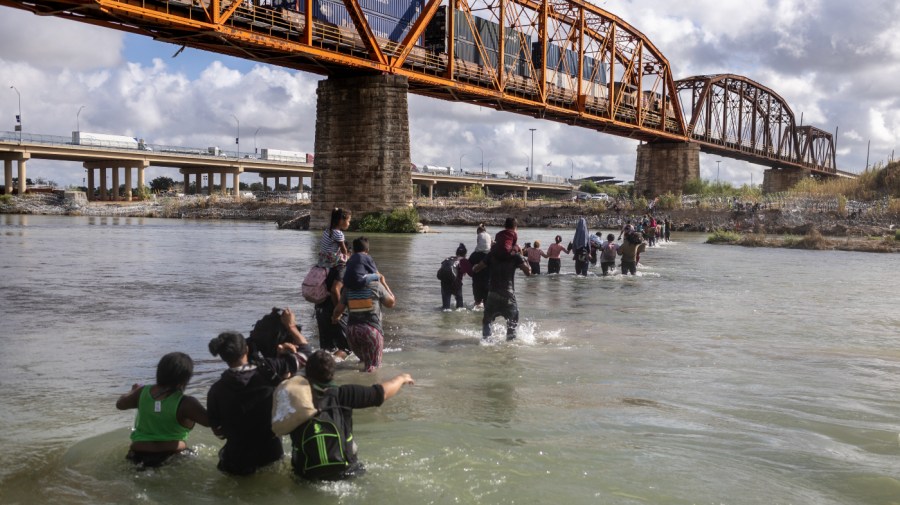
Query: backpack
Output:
(313,288)
(449,269)
(323,446)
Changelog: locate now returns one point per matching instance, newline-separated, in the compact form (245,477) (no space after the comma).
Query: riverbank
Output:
(812,240)
(786,216)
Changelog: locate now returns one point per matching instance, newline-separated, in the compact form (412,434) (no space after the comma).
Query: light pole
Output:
(77,121)
(482,160)
(255,151)
(19,115)
(489,166)
(532,151)
(461,156)
(237,140)
(718,162)
(528,165)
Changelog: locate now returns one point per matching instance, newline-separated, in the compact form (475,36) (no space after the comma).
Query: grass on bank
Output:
(405,220)
(869,185)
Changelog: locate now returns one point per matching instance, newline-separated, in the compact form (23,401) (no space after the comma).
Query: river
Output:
(718,375)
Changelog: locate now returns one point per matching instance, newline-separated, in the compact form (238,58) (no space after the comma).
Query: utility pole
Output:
(532,152)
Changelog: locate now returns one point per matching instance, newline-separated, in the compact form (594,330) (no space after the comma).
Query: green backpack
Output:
(322,447)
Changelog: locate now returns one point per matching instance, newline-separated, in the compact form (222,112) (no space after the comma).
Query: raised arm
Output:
(392,387)
(130,399)
(289,320)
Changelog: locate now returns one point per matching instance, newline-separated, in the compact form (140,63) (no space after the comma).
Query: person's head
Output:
(174,370)
(461,250)
(340,218)
(558,239)
(481,228)
(267,333)
(610,237)
(511,223)
(599,234)
(320,367)
(527,245)
(361,245)
(230,346)
(537,244)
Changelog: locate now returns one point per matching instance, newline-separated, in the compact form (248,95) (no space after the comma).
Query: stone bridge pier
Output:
(665,167)
(362,147)
(776,180)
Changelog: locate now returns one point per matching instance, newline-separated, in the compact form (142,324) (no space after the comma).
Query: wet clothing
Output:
(608,257)
(630,252)
(367,342)
(240,409)
(453,287)
(350,396)
(553,262)
(149,459)
(332,336)
(534,255)
(553,265)
(501,299)
(481,279)
(157,420)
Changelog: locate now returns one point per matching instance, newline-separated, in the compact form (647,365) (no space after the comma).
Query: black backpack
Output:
(323,446)
(449,268)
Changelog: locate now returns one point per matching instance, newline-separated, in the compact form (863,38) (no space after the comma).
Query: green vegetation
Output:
(720,236)
(474,192)
(589,187)
(702,187)
(162,184)
(868,186)
(669,201)
(897,235)
(5,199)
(403,220)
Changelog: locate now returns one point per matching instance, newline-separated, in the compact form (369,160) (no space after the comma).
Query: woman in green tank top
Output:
(165,415)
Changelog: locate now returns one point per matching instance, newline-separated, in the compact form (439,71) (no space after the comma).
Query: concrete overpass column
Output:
(776,180)
(90,183)
(22,175)
(187,184)
(265,183)
(222,178)
(525,194)
(362,146)
(115,184)
(431,191)
(140,174)
(210,179)
(128,193)
(102,183)
(236,184)
(665,167)
(7,176)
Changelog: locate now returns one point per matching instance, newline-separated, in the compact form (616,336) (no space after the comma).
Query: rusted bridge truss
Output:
(562,60)
(733,116)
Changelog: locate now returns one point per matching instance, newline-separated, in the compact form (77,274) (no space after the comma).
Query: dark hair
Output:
(461,250)
(481,228)
(610,237)
(267,333)
(558,239)
(320,367)
(174,369)
(361,244)
(511,223)
(338,215)
(230,346)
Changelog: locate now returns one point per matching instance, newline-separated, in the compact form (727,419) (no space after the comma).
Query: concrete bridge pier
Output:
(362,146)
(776,180)
(665,167)
(102,167)
(21,160)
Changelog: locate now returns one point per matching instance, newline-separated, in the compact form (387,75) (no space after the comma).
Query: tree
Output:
(162,184)
(257,186)
(589,187)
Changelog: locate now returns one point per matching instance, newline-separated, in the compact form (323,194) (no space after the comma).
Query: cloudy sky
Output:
(836,62)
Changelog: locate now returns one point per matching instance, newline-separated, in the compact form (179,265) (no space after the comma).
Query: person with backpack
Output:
(630,250)
(364,332)
(323,447)
(451,273)
(480,280)
(240,402)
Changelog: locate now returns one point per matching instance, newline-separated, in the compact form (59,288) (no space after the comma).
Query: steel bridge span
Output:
(562,60)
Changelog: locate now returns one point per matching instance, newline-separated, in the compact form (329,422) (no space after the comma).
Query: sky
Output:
(835,62)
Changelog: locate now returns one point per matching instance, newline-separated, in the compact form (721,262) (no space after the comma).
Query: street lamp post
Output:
(19,116)
(482,160)
(461,156)
(77,121)
(237,140)
(532,151)
(528,165)
(717,171)
(255,151)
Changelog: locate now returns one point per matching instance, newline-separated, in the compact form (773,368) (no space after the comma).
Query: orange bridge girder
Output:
(734,116)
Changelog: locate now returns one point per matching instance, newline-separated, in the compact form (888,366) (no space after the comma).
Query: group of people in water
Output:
(239,406)
(493,264)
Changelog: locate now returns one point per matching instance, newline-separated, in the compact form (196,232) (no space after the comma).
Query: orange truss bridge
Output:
(562,60)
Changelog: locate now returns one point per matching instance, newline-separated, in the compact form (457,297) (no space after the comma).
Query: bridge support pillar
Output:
(128,193)
(776,180)
(23,178)
(90,183)
(525,194)
(362,146)
(7,176)
(115,184)
(665,168)
(102,183)
(236,185)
